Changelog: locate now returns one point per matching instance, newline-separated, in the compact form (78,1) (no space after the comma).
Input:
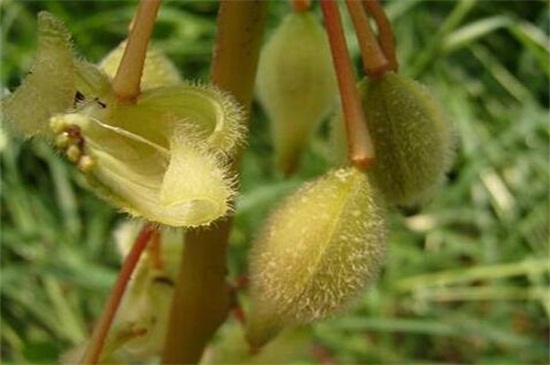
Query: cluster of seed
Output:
(69,140)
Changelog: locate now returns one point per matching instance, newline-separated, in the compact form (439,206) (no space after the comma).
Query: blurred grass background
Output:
(467,275)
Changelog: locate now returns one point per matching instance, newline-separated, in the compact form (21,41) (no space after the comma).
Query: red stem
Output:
(93,352)
(128,75)
(360,147)
(386,37)
(375,63)
(300,6)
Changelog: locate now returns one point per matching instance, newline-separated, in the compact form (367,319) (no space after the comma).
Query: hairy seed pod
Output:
(316,253)
(49,87)
(295,84)
(412,137)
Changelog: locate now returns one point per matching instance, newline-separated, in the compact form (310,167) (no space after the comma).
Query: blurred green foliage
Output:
(467,275)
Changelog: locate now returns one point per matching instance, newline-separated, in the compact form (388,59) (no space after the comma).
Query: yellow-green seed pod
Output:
(295,84)
(158,70)
(49,87)
(412,137)
(316,253)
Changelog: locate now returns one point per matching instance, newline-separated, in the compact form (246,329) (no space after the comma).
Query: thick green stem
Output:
(201,299)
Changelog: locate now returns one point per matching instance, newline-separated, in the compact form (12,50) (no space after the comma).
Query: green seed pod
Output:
(295,84)
(316,253)
(49,87)
(412,137)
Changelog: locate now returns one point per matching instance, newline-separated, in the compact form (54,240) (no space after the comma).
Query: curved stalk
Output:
(128,75)
(101,331)
(374,60)
(386,38)
(360,146)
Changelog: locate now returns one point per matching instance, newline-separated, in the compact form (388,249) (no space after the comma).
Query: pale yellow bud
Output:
(295,84)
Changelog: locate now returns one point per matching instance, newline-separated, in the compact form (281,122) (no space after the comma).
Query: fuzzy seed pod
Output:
(317,252)
(295,84)
(412,137)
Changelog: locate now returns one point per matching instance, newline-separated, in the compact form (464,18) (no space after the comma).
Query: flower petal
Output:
(49,88)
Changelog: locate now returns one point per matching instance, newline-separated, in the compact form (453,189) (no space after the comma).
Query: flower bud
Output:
(412,137)
(295,84)
(49,87)
(316,253)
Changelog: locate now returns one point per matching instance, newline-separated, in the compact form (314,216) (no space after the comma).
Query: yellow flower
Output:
(164,158)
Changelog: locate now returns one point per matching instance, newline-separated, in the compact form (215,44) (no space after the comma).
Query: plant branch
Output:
(375,63)
(201,300)
(299,6)
(360,147)
(101,331)
(128,75)
(386,38)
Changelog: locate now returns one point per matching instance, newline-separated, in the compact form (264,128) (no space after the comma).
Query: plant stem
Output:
(299,6)
(360,147)
(375,63)
(93,352)
(201,299)
(128,75)
(386,37)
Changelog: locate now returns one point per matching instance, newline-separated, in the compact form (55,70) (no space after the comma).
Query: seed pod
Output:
(316,253)
(412,138)
(49,87)
(295,84)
